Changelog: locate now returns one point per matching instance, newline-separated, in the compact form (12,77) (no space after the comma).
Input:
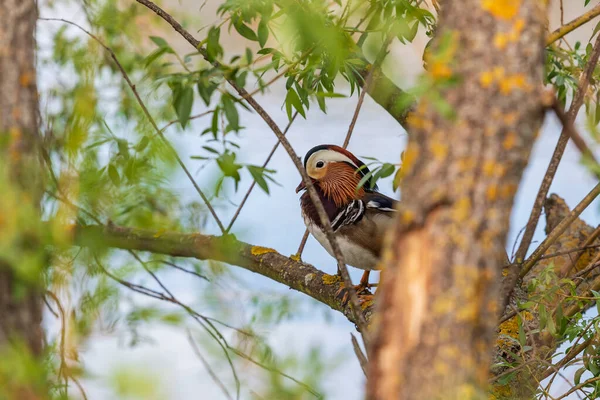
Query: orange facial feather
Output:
(340,182)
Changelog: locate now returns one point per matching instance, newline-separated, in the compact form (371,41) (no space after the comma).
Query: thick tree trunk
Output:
(20,302)
(438,308)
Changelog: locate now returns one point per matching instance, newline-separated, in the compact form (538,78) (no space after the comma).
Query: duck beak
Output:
(300,187)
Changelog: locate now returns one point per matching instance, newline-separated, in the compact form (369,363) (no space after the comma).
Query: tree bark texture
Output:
(20,302)
(438,307)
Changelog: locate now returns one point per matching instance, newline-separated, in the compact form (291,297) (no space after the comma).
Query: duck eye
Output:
(320,164)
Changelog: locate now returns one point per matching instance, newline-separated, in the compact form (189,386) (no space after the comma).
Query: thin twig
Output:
(513,272)
(579,387)
(63,369)
(572,353)
(150,118)
(373,70)
(199,318)
(362,359)
(239,209)
(212,374)
(271,369)
(559,229)
(575,137)
(187,271)
(302,244)
(355,305)
(562,13)
(175,121)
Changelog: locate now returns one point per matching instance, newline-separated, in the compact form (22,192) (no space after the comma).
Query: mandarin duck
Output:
(359,217)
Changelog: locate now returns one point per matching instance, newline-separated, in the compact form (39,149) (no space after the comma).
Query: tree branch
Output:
(571,26)
(265,261)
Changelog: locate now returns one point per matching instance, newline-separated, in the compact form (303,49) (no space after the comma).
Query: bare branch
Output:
(571,26)
(253,184)
(212,374)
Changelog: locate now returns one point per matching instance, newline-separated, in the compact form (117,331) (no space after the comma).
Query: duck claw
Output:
(362,291)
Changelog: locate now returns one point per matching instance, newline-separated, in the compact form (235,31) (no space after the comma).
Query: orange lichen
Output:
(503,9)
(440,70)
(514,82)
(366,304)
(492,192)
(330,279)
(407,216)
(462,209)
(439,149)
(416,121)
(498,73)
(486,79)
(159,233)
(489,167)
(259,251)
(410,156)
(509,141)
(508,190)
(26,78)
(501,40)
(501,392)
(510,118)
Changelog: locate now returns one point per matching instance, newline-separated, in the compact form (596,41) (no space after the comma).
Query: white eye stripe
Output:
(331,156)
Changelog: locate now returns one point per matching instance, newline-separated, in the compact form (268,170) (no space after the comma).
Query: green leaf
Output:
(160,42)
(596,29)
(206,89)
(113,174)
(263,32)
(214,125)
(410,36)
(292,100)
(213,48)
(210,150)
(142,144)
(386,170)
(321,102)
(364,179)
(123,148)
(330,94)
(257,174)
(243,29)
(231,112)
(183,101)
(229,167)
(266,50)
(154,55)
(577,376)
